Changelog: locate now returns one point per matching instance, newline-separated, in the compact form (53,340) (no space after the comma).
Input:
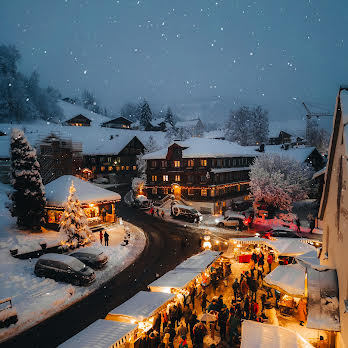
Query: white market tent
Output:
(259,335)
(174,279)
(290,279)
(57,192)
(201,261)
(311,259)
(101,334)
(141,306)
(283,246)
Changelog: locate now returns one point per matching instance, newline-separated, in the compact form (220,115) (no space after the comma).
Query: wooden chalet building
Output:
(206,172)
(119,123)
(78,121)
(114,159)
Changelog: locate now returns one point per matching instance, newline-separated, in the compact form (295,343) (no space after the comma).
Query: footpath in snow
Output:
(36,299)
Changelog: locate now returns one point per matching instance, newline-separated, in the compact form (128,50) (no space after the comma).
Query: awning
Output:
(200,262)
(323,309)
(289,279)
(141,306)
(311,259)
(283,246)
(175,279)
(260,335)
(100,334)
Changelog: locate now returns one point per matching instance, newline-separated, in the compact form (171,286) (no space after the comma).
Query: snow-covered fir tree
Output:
(238,126)
(145,114)
(279,180)
(169,118)
(28,198)
(73,224)
(259,126)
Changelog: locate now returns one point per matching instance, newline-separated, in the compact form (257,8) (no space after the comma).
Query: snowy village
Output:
(173,174)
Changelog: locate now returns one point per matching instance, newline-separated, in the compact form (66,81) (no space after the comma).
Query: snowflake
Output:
(85,72)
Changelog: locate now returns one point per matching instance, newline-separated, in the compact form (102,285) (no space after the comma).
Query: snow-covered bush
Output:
(73,225)
(279,180)
(28,197)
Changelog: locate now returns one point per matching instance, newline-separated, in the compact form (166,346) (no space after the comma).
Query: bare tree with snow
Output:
(73,224)
(279,180)
(28,198)
(238,126)
(259,127)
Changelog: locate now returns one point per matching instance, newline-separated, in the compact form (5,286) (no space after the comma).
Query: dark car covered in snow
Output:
(64,268)
(92,257)
(280,232)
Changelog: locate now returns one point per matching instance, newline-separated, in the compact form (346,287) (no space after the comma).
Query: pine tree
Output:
(73,223)
(170,117)
(28,199)
(145,114)
(259,126)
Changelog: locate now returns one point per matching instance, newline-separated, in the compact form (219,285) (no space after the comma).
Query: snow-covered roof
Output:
(69,260)
(72,110)
(311,259)
(176,279)
(57,192)
(319,173)
(293,127)
(199,262)
(187,123)
(284,246)
(206,148)
(143,305)
(261,335)
(214,134)
(100,334)
(289,278)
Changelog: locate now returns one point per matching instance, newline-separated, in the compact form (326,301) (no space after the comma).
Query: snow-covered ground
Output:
(35,298)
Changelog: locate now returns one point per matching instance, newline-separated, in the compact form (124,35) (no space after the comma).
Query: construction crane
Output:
(311,115)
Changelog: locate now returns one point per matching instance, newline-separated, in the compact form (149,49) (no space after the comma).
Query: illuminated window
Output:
(153,163)
(177,177)
(190,163)
(109,159)
(127,167)
(177,164)
(203,162)
(154,190)
(165,190)
(122,167)
(204,192)
(102,168)
(118,168)
(190,192)
(154,178)
(110,168)
(94,168)
(212,192)
(165,178)
(164,163)
(134,167)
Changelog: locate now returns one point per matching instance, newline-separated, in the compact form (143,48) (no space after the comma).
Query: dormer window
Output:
(177,164)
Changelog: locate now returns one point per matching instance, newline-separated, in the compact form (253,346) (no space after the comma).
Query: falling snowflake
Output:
(85,72)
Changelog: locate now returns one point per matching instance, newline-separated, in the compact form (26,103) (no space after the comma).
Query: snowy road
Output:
(163,252)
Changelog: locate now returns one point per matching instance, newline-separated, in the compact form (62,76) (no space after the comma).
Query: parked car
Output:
(8,314)
(64,268)
(142,202)
(92,257)
(231,220)
(185,212)
(278,232)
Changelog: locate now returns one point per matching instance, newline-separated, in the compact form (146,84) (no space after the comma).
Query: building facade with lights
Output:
(207,172)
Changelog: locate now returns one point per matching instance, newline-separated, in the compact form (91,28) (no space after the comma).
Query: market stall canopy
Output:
(260,335)
(141,306)
(175,279)
(284,246)
(311,259)
(323,309)
(201,261)
(57,192)
(100,334)
(289,279)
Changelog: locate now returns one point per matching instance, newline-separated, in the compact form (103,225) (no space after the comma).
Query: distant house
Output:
(282,138)
(195,126)
(157,125)
(78,121)
(119,122)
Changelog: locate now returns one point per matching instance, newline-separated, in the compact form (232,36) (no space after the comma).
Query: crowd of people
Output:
(186,320)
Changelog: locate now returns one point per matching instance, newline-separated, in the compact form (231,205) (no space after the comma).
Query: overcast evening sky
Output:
(208,55)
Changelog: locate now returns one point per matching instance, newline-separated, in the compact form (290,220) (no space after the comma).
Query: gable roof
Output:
(57,192)
(188,123)
(119,120)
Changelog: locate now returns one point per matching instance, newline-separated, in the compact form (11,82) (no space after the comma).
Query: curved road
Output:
(163,252)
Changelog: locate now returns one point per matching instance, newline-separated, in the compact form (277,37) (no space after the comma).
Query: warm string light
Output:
(202,187)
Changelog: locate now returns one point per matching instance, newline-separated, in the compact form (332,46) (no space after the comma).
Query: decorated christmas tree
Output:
(28,198)
(73,224)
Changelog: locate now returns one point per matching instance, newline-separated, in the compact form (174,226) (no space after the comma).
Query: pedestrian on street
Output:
(255,309)
(259,273)
(311,225)
(182,330)
(262,261)
(183,342)
(101,237)
(186,313)
(247,307)
(204,300)
(269,261)
(162,214)
(152,211)
(193,321)
(234,323)
(244,288)
(298,224)
(193,295)
(235,287)
(106,238)
(263,301)
(222,319)
(157,212)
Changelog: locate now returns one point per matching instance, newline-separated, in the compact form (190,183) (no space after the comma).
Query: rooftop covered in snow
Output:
(141,306)
(199,261)
(100,334)
(57,192)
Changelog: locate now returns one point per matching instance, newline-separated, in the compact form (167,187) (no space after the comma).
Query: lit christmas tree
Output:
(73,223)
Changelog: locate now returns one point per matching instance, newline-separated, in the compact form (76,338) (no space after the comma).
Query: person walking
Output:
(270,261)
(152,211)
(262,261)
(298,224)
(192,321)
(244,288)
(234,323)
(101,237)
(311,225)
(183,342)
(254,309)
(193,295)
(259,273)
(204,300)
(222,320)
(235,287)
(263,301)
(247,307)
(199,331)
(106,238)
(186,313)
(182,329)
(103,213)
